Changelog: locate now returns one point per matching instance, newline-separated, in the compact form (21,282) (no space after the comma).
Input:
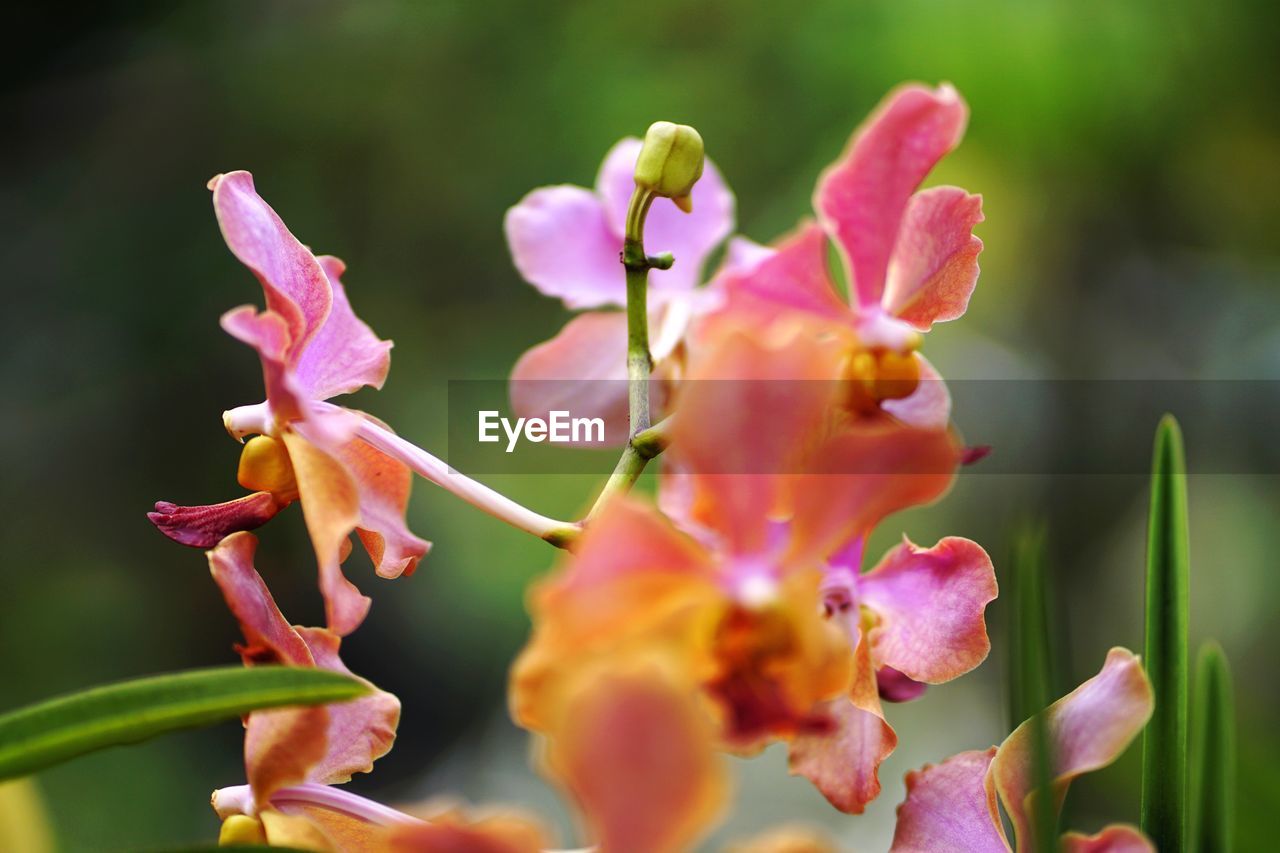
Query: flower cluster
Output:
(734,609)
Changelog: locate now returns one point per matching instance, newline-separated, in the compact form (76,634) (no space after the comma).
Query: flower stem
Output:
(558,533)
(646,441)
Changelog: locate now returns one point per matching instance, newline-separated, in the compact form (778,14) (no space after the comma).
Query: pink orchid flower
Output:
(910,255)
(952,806)
(312,347)
(565,241)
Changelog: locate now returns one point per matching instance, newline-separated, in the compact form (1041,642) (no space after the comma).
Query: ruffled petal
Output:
(1117,838)
(635,752)
(871,470)
(294,283)
(280,747)
(929,604)
(582,370)
(760,283)
(345,354)
(206,526)
(896,687)
(862,198)
(951,808)
(1088,728)
(690,237)
(934,266)
(844,762)
(562,244)
(331,507)
(929,406)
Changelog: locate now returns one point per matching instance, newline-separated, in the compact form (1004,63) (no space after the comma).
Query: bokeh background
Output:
(1129,153)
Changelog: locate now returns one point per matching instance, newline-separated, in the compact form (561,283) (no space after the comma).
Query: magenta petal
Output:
(896,687)
(582,370)
(345,354)
(951,808)
(690,237)
(792,277)
(1088,728)
(206,526)
(562,244)
(1114,839)
(935,261)
(929,603)
(862,198)
(294,284)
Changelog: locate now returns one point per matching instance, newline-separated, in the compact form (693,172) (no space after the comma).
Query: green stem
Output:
(1213,754)
(646,441)
(1164,744)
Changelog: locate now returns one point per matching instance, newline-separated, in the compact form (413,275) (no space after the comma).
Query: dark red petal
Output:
(206,526)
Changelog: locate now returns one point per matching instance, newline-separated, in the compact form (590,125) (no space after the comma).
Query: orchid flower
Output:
(910,256)
(565,241)
(952,806)
(348,470)
(740,602)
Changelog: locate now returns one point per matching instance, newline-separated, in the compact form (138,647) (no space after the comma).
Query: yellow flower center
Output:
(265,467)
(878,374)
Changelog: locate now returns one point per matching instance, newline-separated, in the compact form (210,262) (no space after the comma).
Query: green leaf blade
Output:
(53,731)
(1164,744)
(1213,754)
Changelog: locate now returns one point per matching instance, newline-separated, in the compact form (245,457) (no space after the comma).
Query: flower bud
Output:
(670,162)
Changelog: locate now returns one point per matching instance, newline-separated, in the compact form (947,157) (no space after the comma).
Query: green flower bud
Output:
(670,162)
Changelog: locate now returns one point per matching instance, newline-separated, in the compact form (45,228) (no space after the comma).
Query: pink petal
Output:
(929,603)
(1088,728)
(792,277)
(383,486)
(355,734)
(896,687)
(951,808)
(1114,839)
(205,526)
(744,254)
(345,354)
(929,406)
(582,370)
(562,244)
(295,286)
(935,261)
(862,198)
(690,237)
(267,332)
(844,763)
(360,731)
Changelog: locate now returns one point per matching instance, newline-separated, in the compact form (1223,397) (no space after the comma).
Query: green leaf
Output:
(1031,675)
(56,730)
(1164,744)
(1213,754)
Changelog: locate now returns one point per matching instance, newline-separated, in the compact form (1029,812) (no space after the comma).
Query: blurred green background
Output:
(1129,154)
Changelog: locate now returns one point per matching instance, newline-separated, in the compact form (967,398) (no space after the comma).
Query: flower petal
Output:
(690,237)
(896,687)
(1116,838)
(635,751)
(929,406)
(331,506)
(934,266)
(206,526)
(844,762)
(281,746)
(582,370)
(295,286)
(1088,728)
(562,244)
(345,354)
(871,470)
(760,283)
(929,603)
(951,808)
(862,198)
